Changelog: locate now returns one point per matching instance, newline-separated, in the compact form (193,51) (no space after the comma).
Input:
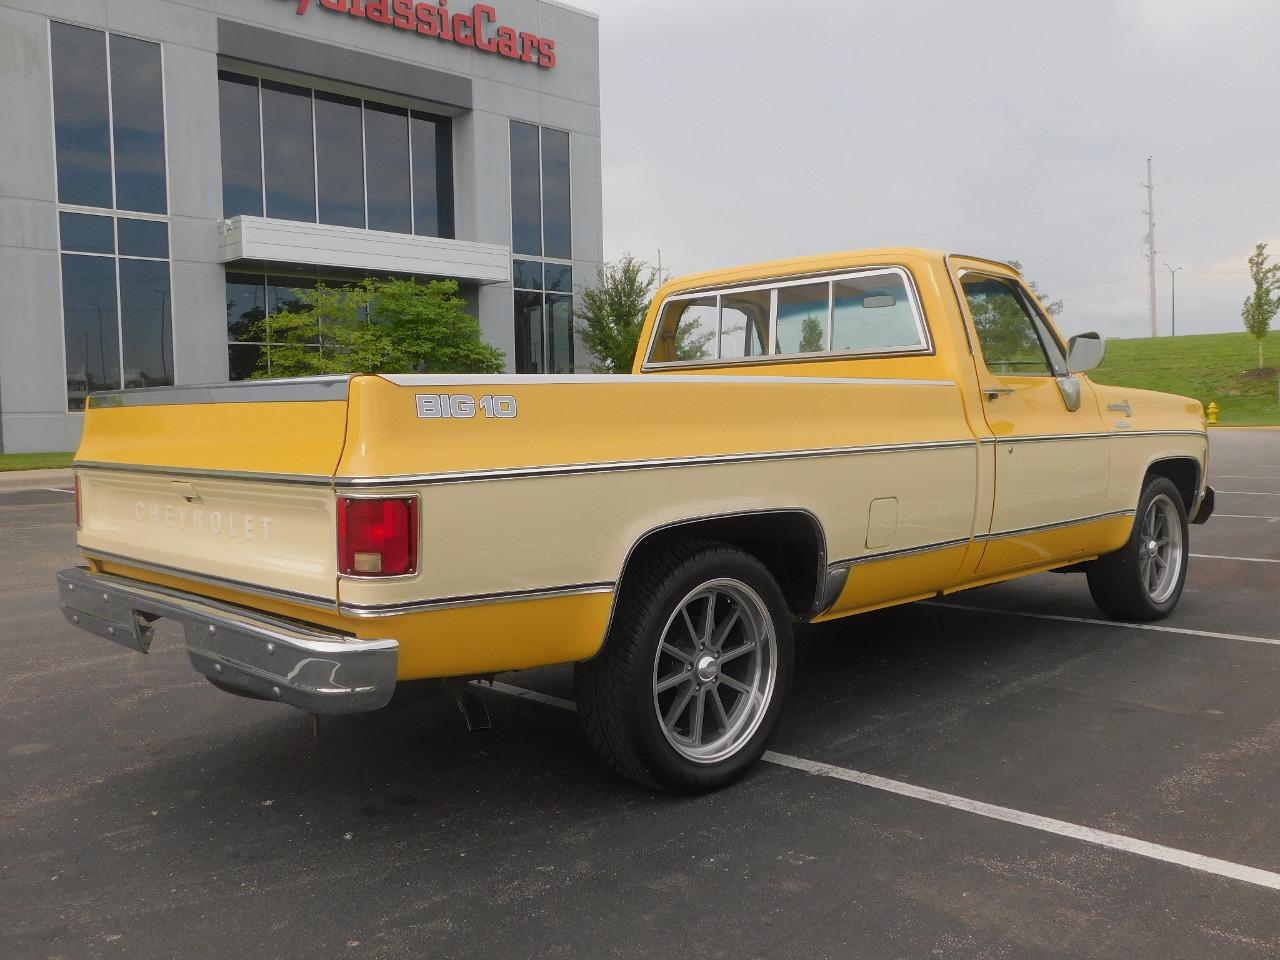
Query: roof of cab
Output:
(816,263)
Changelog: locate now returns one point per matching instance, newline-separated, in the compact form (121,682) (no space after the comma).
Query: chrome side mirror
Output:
(1084,352)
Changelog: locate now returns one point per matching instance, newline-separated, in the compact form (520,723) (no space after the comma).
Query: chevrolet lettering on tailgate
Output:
(798,441)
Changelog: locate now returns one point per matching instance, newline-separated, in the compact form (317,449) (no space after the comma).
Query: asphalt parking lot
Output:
(1002,774)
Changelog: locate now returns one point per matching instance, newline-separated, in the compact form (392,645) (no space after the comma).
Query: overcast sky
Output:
(739,130)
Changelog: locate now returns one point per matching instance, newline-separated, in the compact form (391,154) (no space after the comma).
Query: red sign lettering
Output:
(478,29)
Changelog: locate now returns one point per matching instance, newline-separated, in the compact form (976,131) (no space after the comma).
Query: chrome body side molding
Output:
(200,473)
(567,469)
(449,603)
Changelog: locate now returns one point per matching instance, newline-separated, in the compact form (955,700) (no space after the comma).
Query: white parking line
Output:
(1214,556)
(1238,476)
(1244,516)
(1251,493)
(1102,623)
(1115,841)
(60,490)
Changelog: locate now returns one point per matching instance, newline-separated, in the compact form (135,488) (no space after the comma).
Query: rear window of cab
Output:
(865,313)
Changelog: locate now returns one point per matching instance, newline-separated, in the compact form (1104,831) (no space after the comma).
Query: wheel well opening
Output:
(789,543)
(1185,475)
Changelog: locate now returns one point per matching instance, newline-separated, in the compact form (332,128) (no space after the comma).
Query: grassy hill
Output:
(1215,366)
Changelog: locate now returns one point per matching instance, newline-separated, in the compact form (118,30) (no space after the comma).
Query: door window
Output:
(1014,340)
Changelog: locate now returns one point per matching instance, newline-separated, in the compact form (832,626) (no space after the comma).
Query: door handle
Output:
(995,393)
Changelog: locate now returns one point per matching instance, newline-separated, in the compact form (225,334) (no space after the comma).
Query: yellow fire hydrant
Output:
(1212,411)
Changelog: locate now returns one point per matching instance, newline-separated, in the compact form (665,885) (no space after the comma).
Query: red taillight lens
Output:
(377,537)
(75,480)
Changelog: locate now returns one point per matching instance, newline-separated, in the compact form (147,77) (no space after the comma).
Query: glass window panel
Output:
(89,326)
(526,196)
(873,313)
(1005,330)
(527,274)
(288,157)
(339,160)
(246,306)
(137,116)
(802,318)
(559,278)
(241,145)
(432,175)
(529,330)
(81,118)
(557,229)
(744,324)
(143,238)
(386,144)
(147,333)
(686,331)
(559,333)
(242,360)
(86,233)
(282,297)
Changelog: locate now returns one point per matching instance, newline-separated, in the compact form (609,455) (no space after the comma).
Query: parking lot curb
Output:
(14,480)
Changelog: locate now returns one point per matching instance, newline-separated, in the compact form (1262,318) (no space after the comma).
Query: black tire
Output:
(1121,582)
(618,690)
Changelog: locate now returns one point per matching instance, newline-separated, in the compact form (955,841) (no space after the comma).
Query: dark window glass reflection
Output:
(81,119)
(526,195)
(143,238)
(85,233)
(432,175)
(89,326)
(529,349)
(386,144)
(527,274)
(145,309)
(137,113)
(557,231)
(559,278)
(559,333)
(242,360)
(246,307)
(339,160)
(288,157)
(241,145)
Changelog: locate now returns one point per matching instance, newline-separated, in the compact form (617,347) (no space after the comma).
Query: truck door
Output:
(1052,450)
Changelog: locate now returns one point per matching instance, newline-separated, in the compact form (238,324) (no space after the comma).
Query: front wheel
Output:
(693,676)
(1143,579)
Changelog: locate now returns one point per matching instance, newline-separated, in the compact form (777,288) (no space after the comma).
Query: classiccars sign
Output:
(477,27)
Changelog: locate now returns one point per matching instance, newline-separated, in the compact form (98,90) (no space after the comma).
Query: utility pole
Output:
(1151,243)
(1173,299)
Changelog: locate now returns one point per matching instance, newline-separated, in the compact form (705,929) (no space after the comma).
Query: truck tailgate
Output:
(236,491)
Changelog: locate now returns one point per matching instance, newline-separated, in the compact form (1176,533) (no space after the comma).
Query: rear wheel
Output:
(1143,579)
(692,679)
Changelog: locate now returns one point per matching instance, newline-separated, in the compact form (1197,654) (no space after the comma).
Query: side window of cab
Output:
(1015,340)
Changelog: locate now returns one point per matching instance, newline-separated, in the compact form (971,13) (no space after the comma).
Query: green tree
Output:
(376,326)
(1053,306)
(612,313)
(1261,305)
(812,332)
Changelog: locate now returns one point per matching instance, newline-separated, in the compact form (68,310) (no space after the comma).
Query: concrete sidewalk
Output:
(34,479)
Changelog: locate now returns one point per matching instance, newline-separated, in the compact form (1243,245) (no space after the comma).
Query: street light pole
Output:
(1173,299)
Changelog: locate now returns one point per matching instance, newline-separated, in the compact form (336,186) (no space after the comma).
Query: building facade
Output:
(173,172)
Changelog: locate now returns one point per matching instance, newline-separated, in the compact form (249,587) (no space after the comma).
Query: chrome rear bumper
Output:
(240,650)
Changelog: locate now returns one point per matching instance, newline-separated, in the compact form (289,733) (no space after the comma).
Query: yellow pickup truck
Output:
(799,441)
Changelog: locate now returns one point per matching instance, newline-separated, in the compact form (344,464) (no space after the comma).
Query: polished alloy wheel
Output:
(1160,550)
(714,671)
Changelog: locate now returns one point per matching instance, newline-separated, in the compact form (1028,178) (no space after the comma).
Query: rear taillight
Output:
(75,481)
(377,537)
